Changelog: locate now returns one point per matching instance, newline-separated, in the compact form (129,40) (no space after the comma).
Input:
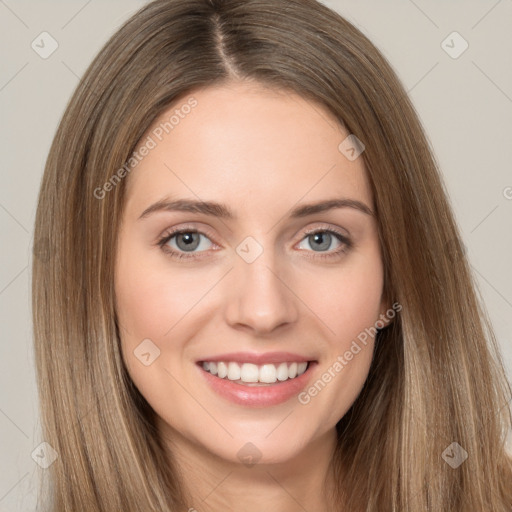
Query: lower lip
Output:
(258,396)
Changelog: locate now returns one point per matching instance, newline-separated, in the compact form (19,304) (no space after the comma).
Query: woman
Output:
(195,350)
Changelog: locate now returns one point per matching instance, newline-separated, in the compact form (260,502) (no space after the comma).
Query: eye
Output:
(323,240)
(180,242)
(187,243)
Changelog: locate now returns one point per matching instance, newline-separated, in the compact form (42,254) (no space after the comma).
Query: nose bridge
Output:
(258,297)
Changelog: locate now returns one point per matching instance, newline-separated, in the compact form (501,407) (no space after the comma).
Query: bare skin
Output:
(262,153)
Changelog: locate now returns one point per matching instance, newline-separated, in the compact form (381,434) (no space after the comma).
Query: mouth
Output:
(250,374)
(258,382)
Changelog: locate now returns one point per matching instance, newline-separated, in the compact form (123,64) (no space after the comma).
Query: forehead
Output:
(252,147)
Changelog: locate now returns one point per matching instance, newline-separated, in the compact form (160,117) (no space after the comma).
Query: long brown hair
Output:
(437,375)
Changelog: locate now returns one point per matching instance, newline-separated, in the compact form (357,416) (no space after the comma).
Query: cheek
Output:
(142,301)
(349,303)
(347,300)
(150,301)
(152,305)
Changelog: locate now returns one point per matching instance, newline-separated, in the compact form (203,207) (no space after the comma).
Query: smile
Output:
(252,374)
(257,383)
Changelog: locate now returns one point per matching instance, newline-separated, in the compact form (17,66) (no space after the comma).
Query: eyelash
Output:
(347,244)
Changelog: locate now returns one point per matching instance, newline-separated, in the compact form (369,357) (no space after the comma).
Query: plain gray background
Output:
(465,104)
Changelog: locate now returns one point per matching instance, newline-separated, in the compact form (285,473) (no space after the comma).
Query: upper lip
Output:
(259,359)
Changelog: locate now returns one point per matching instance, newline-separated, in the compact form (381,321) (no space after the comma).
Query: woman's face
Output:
(256,290)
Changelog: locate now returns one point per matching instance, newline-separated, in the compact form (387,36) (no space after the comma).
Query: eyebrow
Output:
(223,211)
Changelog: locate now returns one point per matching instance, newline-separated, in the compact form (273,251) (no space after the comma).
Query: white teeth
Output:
(282,372)
(251,373)
(222,370)
(233,371)
(268,373)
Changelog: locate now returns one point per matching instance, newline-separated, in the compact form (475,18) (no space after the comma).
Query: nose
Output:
(260,297)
